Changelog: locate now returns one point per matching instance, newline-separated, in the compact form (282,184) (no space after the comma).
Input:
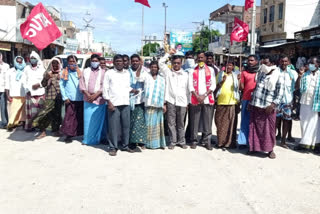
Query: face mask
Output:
(312,67)
(72,67)
(33,61)
(201,64)
(189,63)
(95,64)
(20,66)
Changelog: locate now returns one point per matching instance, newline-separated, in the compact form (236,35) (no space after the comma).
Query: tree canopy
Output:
(203,38)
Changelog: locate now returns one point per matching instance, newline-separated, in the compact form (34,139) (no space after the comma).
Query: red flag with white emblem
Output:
(240,31)
(39,28)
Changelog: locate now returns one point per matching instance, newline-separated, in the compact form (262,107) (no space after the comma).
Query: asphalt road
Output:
(48,176)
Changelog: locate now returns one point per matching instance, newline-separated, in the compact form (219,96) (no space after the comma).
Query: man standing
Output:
(116,90)
(202,83)
(4,67)
(69,86)
(309,84)
(210,62)
(138,135)
(265,99)
(91,85)
(126,61)
(285,108)
(176,98)
(247,86)
(35,92)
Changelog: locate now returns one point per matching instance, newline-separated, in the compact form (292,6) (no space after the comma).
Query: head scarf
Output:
(35,55)
(19,68)
(253,69)
(51,66)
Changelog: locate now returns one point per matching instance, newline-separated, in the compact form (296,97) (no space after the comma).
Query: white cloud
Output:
(112,19)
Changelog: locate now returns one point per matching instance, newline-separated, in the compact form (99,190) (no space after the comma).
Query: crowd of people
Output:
(132,107)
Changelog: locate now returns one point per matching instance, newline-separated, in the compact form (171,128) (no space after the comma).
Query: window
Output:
(280,11)
(265,15)
(271,17)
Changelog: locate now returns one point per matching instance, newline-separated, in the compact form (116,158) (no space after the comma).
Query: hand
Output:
(134,91)
(9,99)
(67,101)
(164,108)
(36,86)
(270,109)
(49,75)
(224,78)
(172,51)
(111,106)
(239,76)
(201,98)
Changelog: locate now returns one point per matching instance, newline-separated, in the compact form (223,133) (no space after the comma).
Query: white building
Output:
(282,18)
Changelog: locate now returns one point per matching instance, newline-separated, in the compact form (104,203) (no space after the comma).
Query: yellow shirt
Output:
(226,96)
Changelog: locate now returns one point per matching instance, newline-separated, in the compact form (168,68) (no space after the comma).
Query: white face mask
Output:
(189,63)
(267,69)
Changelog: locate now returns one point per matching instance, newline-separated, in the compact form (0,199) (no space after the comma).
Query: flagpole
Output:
(142,31)
(253,29)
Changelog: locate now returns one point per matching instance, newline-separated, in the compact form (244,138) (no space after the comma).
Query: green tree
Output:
(150,48)
(203,38)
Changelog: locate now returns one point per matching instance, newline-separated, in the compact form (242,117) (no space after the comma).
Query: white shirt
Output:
(202,88)
(308,97)
(16,88)
(177,84)
(139,98)
(288,93)
(3,70)
(116,87)
(34,77)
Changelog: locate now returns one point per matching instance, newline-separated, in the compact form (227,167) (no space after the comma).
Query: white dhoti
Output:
(310,125)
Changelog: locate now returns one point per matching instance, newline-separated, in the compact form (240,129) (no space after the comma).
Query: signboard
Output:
(71,46)
(181,41)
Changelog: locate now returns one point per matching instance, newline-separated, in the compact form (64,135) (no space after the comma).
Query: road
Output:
(48,176)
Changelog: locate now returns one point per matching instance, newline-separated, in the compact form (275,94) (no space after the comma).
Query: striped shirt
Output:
(262,96)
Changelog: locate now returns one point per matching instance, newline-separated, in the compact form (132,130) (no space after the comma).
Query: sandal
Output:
(272,155)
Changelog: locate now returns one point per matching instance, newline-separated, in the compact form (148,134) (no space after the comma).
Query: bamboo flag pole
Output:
(142,31)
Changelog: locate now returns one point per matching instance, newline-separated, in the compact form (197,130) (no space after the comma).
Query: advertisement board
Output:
(181,41)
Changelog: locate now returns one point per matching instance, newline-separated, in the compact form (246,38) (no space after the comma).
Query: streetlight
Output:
(165,17)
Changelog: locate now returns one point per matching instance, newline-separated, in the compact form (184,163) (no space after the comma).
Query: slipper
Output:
(284,146)
(272,155)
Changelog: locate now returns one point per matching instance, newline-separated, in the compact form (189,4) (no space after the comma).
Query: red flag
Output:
(248,4)
(144,2)
(240,31)
(39,28)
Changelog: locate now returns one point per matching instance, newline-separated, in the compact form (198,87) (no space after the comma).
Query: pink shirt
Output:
(91,86)
(249,84)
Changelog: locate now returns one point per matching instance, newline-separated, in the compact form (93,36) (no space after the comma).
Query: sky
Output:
(118,22)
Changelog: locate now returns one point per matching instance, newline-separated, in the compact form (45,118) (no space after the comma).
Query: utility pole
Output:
(142,31)
(253,29)
(165,17)
(201,28)
(87,27)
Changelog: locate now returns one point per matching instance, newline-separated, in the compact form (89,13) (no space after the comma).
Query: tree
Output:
(203,38)
(150,48)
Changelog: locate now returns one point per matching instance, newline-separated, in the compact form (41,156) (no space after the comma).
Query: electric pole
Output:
(253,29)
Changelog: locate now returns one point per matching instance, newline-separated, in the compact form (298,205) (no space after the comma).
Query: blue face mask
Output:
(20,66)
(33,61)
(95,65)
(72,67)
(312,67)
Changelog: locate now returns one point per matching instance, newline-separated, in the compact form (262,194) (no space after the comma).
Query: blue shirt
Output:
(70,88)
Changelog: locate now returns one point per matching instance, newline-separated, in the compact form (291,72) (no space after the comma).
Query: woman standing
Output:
(51,113)
(35,92)
(154,104)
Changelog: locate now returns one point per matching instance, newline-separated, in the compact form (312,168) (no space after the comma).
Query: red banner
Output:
(240,31)
(248,4)
(144,2)
(39,28)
